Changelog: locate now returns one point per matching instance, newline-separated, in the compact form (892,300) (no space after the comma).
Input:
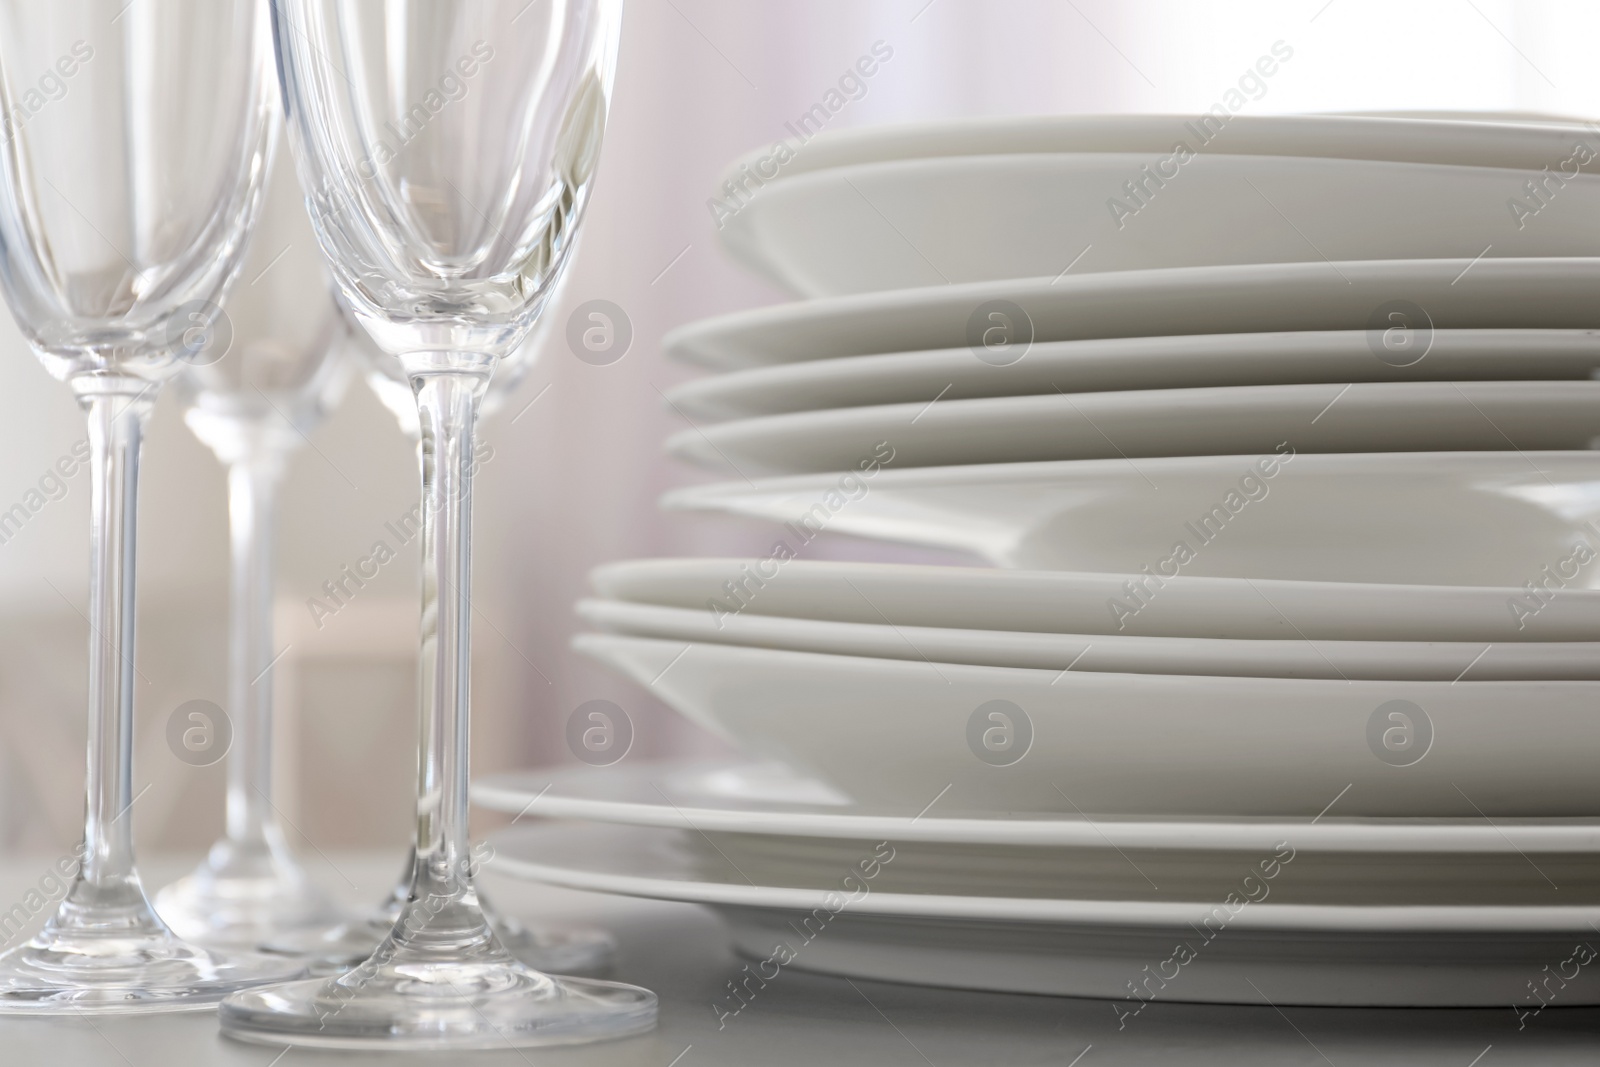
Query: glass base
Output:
(403,1000)
(70,973)
(580,950)
(240,898)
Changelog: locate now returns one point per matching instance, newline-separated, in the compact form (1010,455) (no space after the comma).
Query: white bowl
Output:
(1007,739)
(1461,138)
(1445,518)
(879,226)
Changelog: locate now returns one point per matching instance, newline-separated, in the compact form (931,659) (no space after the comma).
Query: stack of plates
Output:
(1286,668)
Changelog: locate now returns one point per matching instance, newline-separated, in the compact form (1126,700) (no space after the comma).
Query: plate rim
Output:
(984,413)
(1031,471)
(1415,127)
(686,342)
(1257,916)
(1465,341)
(501,792)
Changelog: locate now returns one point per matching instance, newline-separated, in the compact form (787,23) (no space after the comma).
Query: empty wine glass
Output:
(252,396)
(564,950)
(136,139)
(447,149)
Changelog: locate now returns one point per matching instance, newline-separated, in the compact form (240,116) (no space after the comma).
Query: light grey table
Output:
(681,952)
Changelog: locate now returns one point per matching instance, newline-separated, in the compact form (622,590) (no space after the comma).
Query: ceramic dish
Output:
(1375,295)
(769,799)
(1137,604)
(1111,653)
(1488,139)
(1291,358)
(1181,875)
(1009,739)
(1232,420)
(1455,956)
(879,226)
(1455,518)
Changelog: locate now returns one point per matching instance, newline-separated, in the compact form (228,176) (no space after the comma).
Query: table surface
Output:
(681,951)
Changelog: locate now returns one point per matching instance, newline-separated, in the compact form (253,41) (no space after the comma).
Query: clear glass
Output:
(283,368)
(564,950)
(136,141)
(446,148)
(390,384)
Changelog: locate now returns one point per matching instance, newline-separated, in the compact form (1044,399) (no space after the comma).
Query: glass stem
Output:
(252,498)
(443,908)
(117,412)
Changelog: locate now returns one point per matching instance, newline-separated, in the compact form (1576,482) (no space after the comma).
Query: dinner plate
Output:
(1269,420)
(1453,518)
(1307,954)
(1285,358)
(1111,653)
(1376,295)
(1519,117)
(1178,875)
(1063,602)
(1489,139)
(888,225)
(1008,739)
(769,799)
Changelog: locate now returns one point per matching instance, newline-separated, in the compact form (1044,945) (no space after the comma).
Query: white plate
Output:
(1008,739)
(1484,139)
(1229,420)
(1489,969)
(1141,363)
(1111,653)
(878,226)
(1373,517)
(1173,876)
(1060,602)
(769,799)
(1451,293)
(1306,954)
(1519,117)
(1098,872)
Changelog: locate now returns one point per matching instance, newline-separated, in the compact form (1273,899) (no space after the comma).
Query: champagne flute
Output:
(283,370)
(137,135)
(447,149)
(568,950)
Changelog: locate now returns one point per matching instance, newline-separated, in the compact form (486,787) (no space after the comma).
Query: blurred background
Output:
(576,468)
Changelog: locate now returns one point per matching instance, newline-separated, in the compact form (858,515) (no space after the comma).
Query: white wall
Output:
(575,478)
